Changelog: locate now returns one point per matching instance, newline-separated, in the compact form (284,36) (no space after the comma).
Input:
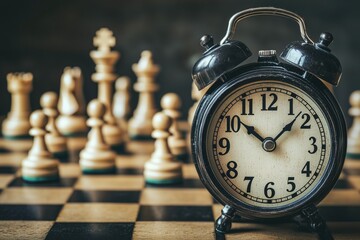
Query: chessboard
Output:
(122,206)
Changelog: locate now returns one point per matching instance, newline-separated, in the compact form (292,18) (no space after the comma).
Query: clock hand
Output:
(251,130)
(287,127)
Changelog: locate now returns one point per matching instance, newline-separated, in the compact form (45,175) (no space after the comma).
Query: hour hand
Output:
(287,127)
(251,131)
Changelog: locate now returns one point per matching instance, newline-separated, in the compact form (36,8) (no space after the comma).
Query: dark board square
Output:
(63,182)
(71,157)
(91,231)
(4,150)
(186,183)
(342,184)
(175,213)
(340,213)
(105,196)
(129,171)
(8,169)
(29,212)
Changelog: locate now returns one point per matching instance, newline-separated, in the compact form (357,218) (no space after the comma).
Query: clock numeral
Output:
(306,169)
(268,191)
(248,106)
(291,183)
(291,106)
(250,179)
(231,172)
(305,125)
(232,123)
(224,143)
(271,107)
(315,147)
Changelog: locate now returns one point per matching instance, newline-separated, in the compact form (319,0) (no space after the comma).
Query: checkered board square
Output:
(123,206)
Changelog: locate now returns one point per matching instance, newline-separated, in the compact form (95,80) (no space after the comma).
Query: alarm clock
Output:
(268,138)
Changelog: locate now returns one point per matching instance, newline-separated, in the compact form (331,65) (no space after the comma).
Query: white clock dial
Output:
(268,144)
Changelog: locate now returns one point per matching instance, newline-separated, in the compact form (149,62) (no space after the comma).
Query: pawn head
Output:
(38,119)
(122,83)
(171,101)
(161,121)
(96,109)
(355,99)
(49,100)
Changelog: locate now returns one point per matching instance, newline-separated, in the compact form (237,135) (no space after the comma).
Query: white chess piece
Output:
(71,121)
(96,157)
(162,168)
(55,142)
(104,76)
(39,166)
(140,126)
(17,124)
(171,104)
(353,146)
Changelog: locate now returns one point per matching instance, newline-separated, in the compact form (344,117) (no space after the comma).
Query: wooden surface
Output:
(122,206)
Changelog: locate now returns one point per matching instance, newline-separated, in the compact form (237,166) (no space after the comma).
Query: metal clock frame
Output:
(303,209)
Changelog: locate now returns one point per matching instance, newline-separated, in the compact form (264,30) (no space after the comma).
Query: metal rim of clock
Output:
(219,59)
(318,93)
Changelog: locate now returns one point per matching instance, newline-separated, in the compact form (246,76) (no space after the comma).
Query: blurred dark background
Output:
(43,37)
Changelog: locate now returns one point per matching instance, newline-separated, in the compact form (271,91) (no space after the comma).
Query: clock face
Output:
(268,144)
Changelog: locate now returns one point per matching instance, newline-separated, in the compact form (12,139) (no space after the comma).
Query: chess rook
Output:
(71,105)
(104,76)
(55,142)
(162,168)
(140,126)
(17,125)
(171,104)
(96,157)
(353,147)
(39,166)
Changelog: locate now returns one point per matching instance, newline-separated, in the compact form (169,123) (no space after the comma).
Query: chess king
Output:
(268,138)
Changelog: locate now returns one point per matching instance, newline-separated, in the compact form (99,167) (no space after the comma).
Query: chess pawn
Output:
(17,124)
(55,142)
(196,95)
(96,157)
(121,101)
(353,147)
(39,166)
(72,121)
(104,76)
(171,104)
(162,168)
(140,126)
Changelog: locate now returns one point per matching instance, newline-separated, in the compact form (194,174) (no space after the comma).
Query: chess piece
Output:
(353,146)
(140,126)
(17,124)
(96,157)
(55,142)
(39,166)
(105,60)
(121,102)
(196,95)
(72,121)
(162,168)
(171,104)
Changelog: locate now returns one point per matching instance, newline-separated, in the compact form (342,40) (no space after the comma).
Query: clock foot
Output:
(223,223)
(311,219)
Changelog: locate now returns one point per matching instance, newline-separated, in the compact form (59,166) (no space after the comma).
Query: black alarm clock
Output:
(268,138)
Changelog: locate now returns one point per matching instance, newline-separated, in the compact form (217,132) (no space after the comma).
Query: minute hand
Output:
(251,130)
(287,127)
